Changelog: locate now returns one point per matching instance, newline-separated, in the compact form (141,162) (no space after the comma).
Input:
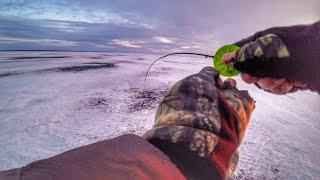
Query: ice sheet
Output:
(45,111)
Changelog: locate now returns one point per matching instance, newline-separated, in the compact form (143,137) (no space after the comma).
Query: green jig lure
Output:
(223,68)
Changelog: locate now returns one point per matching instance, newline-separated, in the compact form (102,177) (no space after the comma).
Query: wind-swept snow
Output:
(51,102)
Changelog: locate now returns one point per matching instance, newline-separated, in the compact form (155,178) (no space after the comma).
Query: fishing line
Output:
(171,54)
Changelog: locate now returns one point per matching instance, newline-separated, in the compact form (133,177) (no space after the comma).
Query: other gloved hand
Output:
(281,59)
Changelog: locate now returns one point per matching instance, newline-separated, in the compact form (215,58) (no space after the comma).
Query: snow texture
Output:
(51,102)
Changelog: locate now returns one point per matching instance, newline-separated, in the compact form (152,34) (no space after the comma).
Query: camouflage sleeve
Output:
(200,123)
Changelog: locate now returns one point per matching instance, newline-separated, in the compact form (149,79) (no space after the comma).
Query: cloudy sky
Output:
(143,26)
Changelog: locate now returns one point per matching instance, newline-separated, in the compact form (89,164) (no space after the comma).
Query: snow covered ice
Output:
(51,102)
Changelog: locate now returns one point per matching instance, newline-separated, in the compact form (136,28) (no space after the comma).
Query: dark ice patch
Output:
(10,74)
(96,57)
(146,99)
(84,67)
(127,62)
(95,63)
(77,68)
(96,103)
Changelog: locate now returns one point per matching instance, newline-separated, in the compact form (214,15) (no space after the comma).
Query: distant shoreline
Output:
(59,51)
(82,51)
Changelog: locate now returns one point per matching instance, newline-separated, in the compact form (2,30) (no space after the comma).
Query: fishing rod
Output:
(223,68)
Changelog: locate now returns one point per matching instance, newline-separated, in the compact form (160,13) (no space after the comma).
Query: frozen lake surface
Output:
(51,102)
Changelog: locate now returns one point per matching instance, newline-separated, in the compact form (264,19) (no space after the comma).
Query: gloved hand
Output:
(281,59)
(200,123)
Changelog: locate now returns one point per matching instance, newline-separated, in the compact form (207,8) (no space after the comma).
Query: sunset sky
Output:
(143,26)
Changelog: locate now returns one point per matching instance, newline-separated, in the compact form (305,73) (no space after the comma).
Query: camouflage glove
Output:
(281,59)
(200,123)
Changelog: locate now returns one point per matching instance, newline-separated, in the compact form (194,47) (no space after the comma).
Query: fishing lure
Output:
(223,68)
